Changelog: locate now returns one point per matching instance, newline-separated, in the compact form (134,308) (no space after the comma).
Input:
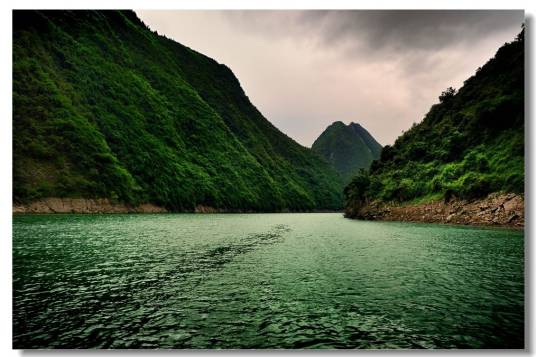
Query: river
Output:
(311,280)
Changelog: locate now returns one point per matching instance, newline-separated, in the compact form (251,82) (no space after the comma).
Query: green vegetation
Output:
(348,148)
(468,145)
(104,107)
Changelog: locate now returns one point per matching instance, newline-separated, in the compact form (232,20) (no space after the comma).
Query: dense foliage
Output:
(104,107)
(348,148)
(469,144)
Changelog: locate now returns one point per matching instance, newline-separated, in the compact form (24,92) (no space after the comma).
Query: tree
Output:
(449,93)
(356,191)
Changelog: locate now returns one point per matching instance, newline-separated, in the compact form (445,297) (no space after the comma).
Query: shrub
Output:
(474,185)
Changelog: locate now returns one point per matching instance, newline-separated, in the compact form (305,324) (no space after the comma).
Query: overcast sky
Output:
(306,69)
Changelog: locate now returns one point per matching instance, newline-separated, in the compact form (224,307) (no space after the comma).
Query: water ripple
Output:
(263,281)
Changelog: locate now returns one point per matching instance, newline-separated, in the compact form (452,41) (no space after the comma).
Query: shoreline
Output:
(57,205)
(495,210)
(82,205)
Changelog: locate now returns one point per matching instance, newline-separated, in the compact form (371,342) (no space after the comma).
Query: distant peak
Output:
(337,123)
(340,123)
(348,147)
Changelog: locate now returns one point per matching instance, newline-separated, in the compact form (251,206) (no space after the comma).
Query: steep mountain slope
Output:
(104,107)
(467,146)
(348,148)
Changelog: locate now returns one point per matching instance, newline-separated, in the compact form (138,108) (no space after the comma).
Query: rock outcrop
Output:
(496,209)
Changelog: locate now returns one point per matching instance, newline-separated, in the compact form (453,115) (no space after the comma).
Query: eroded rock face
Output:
(83,205)
(496,209)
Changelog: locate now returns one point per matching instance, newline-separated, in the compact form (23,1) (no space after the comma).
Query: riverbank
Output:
(83,205)
(104,205)
(497,209)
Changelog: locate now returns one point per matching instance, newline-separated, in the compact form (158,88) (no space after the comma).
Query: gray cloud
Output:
(306,69)
(419,30)
(378,32)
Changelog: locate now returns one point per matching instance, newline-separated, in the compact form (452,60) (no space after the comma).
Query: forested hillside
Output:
(348,148)
(104,107)
(469,144)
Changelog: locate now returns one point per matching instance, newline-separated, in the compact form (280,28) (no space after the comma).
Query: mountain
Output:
(348,148)
(104,107)
(470,144)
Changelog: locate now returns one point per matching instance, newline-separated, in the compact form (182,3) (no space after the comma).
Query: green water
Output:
(263,281)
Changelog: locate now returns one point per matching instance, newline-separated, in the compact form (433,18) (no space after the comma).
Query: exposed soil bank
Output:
(104,205)
(496,209)
(83,205)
